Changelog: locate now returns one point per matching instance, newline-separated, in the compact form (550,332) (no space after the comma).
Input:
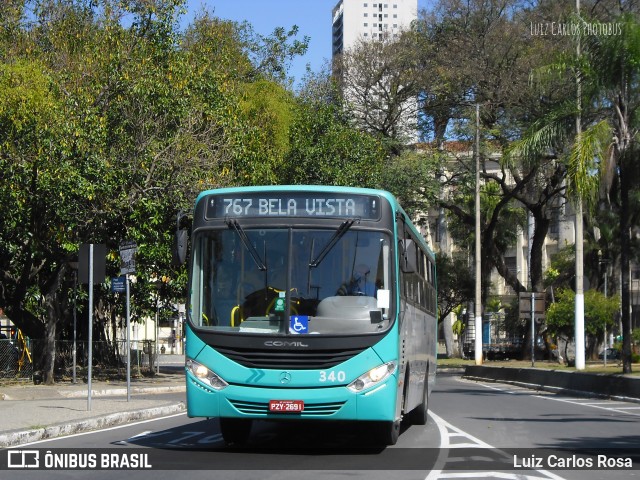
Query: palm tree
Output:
(607,70)
(615,72)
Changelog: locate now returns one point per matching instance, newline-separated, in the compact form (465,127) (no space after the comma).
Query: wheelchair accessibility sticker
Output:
(299,324)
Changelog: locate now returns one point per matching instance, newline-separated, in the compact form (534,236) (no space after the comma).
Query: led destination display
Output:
(288,204)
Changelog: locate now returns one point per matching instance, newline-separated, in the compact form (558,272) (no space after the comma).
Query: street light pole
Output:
(579,301)
(478,262)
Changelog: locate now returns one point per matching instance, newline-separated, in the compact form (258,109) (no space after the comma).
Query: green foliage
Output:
(108,128)
(599,312)
(412,177)
(325,149)
(267,110)
(456,285)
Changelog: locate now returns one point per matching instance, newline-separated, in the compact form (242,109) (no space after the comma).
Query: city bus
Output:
(308,303)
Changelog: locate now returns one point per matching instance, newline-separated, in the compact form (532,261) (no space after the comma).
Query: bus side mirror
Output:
(181,241)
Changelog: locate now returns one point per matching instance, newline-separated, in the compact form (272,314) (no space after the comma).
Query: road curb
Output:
(118,392)
(574,383)
(9,439)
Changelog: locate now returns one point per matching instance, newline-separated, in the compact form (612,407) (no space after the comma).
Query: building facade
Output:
(561,234)
(354,20)
(355,23)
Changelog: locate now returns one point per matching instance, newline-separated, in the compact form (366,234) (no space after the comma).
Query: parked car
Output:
(612,354)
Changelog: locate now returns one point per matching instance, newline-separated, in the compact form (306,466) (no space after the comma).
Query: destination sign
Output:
(293,204)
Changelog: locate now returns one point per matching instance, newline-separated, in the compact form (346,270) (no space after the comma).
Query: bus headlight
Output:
(204,374)
(372,377)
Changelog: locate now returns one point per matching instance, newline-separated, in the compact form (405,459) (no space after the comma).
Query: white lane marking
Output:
(602,405)
(125,425)
(447,432)
(593,405)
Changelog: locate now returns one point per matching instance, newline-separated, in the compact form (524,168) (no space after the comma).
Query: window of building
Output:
(375,24)
(365,5)
(512,265)
(395,15)
(394,5)
(395,25)
(386,15)
(366,24)
(366,14)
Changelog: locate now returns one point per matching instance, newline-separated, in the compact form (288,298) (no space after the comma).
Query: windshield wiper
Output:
(342,229)
(247,243)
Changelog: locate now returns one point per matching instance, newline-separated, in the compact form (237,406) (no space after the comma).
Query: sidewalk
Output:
(29,412)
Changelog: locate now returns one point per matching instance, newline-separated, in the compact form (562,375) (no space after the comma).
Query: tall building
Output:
(363,19)
(357,21)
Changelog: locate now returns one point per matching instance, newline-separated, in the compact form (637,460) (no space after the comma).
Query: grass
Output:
(612,368)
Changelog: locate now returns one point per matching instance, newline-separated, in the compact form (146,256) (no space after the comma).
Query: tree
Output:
(378,80)
(106,132)
(599,315)
(609,69)
(615,63)
(456,285)
(411,177)
(324,147)
(465,49)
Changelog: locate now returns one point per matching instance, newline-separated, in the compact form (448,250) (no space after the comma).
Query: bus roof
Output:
(297,188)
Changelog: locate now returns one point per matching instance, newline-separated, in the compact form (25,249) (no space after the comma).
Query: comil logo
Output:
(23,459)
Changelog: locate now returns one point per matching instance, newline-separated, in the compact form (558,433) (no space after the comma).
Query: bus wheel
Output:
(388,432)
(235,431)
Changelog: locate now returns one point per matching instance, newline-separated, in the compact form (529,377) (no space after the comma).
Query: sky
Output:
(313,18)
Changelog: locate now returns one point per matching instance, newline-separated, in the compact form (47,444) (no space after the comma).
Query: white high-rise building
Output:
(357,21)
(364,19)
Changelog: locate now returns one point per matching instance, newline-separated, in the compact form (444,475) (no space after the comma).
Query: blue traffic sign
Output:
(119,284)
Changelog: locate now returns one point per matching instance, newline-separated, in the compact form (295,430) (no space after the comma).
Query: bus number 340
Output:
(333,376)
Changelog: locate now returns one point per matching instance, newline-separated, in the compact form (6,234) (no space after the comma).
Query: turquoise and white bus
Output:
(308,302)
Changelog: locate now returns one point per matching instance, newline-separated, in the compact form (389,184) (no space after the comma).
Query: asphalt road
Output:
(484,421)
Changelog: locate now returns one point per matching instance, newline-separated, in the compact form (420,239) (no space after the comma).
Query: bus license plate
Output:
(286,406)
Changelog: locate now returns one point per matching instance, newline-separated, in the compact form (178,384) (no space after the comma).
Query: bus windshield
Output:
(291,281)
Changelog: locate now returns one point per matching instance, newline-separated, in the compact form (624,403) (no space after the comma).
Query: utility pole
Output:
(478,262)
(579,304)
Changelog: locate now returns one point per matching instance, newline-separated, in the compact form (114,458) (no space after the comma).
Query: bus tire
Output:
(235,431)
(388,432)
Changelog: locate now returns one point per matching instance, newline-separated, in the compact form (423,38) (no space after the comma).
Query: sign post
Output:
(127,255)
(532,306)
(91,269)
(90,278)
